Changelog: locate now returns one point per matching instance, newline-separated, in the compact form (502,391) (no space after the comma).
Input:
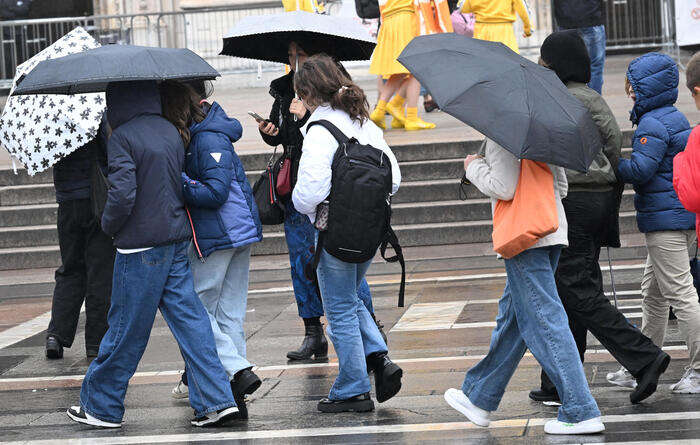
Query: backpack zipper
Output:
(194,237)
(361,162)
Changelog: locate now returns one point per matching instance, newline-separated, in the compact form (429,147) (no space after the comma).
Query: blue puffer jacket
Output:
(216,188)
(661,134)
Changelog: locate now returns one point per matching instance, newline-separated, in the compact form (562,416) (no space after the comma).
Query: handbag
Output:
(265,195)
(531,214)
(283,183)
(695,271)
(463,23)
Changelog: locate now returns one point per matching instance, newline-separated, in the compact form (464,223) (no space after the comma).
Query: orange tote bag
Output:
(531,214)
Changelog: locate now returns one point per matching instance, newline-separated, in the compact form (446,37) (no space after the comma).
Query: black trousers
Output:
(87,256)
(580,286)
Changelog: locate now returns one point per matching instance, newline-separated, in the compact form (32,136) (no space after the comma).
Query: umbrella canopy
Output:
(40,130)
(267,37)
(522,106)
(91,71)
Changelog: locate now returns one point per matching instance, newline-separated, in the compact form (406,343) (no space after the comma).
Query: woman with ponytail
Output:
(225,223)
(330,95)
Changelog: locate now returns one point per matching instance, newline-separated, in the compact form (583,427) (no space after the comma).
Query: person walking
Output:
(587,17)
(145,213)
(530,313)
(87,253)
(399,25)
(495,18)
(287,117)
(592,208)
(331,96)
(662,133)
(225,224)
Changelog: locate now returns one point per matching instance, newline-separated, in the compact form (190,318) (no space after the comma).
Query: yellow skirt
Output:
(497,32)
(396,32)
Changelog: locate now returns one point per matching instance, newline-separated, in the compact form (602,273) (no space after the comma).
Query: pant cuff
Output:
(481,400)
(575,414)
(101,417)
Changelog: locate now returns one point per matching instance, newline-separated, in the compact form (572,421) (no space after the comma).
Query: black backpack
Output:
(367,9)
(359,214)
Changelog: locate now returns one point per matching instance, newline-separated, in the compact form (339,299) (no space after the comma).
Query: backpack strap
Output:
(332,129)
(393,240)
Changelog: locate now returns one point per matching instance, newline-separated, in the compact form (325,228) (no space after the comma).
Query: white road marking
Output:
(360,430)
(429,316)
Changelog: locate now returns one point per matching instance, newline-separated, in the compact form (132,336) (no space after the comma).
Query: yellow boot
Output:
(413,122)
(396,109)
(377,116)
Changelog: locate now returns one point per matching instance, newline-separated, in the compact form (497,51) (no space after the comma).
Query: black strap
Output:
(393,240)
(696,250)
(332,129)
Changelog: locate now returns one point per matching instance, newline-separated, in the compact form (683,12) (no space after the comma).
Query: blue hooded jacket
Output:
(661,134)
(216,188)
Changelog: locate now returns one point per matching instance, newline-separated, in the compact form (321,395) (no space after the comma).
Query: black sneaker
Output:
(649,378)
(548,398)
(217,418)
(358,404)
(77,414)
(54,350)
(244,382)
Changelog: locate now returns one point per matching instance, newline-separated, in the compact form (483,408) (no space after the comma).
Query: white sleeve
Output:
(497,178)
(314,177)
(560,180)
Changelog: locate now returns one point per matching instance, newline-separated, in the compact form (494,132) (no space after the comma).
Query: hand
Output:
(468,160)
(297,108)
(527,34)
(268,128)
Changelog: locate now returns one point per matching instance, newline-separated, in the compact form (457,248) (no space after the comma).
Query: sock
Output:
(313,321)
(397,101)
(381,106)
(412,113)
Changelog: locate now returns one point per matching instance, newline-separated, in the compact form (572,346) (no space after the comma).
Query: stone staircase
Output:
(427,211)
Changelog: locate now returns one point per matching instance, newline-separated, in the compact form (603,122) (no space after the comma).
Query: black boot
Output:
(314,344)
(244,382)
(649,377)
(53,348)
(387,375)
(358,404)
(548,398)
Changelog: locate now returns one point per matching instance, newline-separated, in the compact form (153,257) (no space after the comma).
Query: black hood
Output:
(565,52)
(126,100)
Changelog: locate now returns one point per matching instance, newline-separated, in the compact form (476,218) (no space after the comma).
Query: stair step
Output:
(28,215)
(27,194)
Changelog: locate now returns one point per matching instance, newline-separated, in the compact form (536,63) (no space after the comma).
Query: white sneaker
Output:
(216,418)
(79,415)
(689,383)
(590,426)
(622,378)
(180,391)
(457,400)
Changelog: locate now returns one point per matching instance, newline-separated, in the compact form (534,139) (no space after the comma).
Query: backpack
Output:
(359,213)
(367,9)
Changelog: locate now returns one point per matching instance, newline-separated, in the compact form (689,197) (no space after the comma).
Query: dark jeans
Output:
(580,286)
(87,257)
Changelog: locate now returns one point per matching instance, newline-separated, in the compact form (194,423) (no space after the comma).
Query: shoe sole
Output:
(592,429)
(224,416)
(53,354)
(99,423)
(252,384)
(314,357)
(390,382)
(454,403)
(545,400)
(180,396)
(647,388)
(363,406)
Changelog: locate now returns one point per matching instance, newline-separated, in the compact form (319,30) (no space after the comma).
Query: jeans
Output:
(144,282)
(222,284)
(351,327)
(594,38)
(580,286)
(300,235)
(667,282)
(87,260)
(531,316)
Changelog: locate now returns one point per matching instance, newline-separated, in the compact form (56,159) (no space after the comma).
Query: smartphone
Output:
(256,116)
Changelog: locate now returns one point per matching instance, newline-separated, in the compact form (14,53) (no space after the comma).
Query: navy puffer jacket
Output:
(661,134)
(216,188)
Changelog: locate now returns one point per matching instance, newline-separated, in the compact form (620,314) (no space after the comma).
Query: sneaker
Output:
(590,426)
(457,400)
(622,378)
(689,383)
(216,418)
(181,391)
(54,350)
(358,404)
(77,414)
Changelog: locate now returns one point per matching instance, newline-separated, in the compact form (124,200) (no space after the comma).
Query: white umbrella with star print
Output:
(40,130)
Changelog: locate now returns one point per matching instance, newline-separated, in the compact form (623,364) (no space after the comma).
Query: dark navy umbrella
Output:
(90,71)
(521,105)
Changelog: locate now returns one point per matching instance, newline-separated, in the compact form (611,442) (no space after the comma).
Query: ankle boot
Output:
(314,344)
(387,375)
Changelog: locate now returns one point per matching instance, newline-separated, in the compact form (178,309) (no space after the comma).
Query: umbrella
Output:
(91,71)
(267,37)
(520,105)
(40,130)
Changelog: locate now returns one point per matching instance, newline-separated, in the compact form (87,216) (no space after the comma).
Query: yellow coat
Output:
(301,5)
(494,20)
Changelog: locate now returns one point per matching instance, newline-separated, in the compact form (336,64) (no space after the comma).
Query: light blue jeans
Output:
(594,38)
(351,327)
(221,283)
(531,316)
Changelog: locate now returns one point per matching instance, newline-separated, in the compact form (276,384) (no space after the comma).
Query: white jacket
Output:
(314,178)
(496,175)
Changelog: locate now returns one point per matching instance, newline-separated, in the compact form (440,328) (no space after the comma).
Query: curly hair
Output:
(181,106)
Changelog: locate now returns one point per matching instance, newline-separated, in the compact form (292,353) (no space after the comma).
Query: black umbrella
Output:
(90,71)
(267,37)
(522,106)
